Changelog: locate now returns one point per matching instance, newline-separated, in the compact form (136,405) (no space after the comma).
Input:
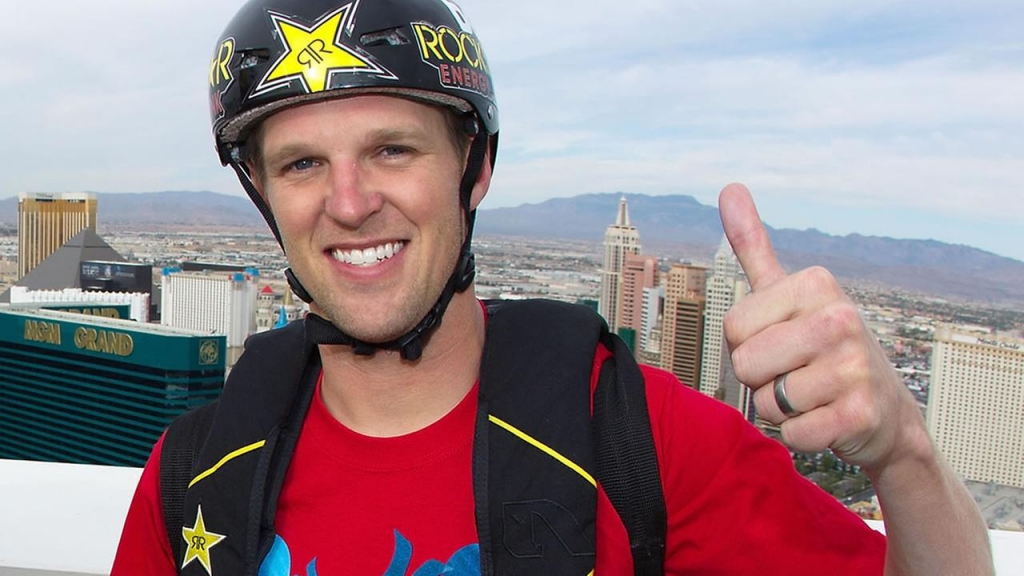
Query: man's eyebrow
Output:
(395,133)
(390,134)
(287,151)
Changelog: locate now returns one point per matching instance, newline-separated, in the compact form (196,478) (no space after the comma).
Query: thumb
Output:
(748,237)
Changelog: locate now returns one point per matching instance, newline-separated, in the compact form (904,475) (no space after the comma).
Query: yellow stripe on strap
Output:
(228,458)
(543,448)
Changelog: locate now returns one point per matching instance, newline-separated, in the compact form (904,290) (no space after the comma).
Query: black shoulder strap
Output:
(263,395)
(535,374)
(178,455)
(627,465)
(533,458)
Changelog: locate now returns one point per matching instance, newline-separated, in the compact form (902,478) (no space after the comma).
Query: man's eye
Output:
(393,151)
(304,164)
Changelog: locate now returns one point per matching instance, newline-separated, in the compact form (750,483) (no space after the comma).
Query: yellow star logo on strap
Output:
(313,53)
(199,542)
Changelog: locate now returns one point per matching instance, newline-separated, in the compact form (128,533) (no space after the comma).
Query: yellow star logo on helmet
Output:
(312,54)
(199,541)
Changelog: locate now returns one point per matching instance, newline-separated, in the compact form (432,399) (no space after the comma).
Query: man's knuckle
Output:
(837,322)
(741,364)
(861,414)
(819,280)
(852,368)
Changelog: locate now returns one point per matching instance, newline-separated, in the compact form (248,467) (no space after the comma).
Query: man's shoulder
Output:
(280,352)
(655,376)
(540,309)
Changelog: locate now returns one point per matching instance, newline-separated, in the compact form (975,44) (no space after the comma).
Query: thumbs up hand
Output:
(841,389)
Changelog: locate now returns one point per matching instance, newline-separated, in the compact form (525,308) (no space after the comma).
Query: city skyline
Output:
(691,319)
(891,120)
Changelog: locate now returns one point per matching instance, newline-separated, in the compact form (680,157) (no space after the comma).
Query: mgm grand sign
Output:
(109,342)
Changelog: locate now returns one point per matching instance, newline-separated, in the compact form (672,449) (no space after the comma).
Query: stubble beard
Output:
(396,319)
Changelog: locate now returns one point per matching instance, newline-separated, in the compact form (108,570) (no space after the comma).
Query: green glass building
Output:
(95,390)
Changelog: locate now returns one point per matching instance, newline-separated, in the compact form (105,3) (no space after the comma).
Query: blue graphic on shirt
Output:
(279,561)
(464,562)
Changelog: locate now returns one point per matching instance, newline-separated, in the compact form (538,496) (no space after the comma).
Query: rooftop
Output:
(111,323)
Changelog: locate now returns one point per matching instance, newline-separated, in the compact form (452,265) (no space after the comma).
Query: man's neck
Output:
(383,395)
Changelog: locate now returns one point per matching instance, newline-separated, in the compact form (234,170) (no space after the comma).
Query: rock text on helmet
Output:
(457,55)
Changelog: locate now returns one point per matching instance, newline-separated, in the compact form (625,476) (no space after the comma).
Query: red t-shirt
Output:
(353,504)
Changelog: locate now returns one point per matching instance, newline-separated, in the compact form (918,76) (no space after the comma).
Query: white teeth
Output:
(368,256)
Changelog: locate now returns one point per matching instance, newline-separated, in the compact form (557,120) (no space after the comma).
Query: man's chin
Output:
(370,333)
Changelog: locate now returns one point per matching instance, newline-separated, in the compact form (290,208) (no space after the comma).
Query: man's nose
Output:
(351,197)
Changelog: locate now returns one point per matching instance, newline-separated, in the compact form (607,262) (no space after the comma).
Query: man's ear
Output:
(483,181)
(254,176)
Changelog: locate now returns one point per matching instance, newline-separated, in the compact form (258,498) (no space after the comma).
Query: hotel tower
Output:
(620,240)
(726,285)
(47,221)
(974,405)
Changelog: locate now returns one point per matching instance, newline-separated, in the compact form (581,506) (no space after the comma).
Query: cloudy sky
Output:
(880,117)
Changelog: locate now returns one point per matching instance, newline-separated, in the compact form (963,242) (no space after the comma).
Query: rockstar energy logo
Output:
(314,54)
(220,76)
(199,541)
(457,55)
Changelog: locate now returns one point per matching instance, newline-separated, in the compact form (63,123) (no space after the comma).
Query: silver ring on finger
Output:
(782,399)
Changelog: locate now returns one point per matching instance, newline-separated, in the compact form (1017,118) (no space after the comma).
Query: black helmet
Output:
(280,53)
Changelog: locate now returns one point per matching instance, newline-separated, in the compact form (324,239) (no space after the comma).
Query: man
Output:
(366,133)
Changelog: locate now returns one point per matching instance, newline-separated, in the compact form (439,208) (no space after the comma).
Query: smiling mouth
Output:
(368,256)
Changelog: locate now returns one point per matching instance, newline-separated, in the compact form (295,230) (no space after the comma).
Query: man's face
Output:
(365,191)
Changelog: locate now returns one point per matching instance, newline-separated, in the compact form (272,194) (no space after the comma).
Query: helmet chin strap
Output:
(321,331)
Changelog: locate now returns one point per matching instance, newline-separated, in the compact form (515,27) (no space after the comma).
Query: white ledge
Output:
(65,520)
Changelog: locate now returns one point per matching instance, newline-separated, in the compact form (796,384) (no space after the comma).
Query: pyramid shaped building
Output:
(61,269)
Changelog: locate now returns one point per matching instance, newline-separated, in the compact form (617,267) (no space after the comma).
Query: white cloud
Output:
(876,103)
(940,134)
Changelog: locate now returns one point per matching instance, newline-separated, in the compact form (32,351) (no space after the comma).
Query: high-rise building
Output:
(682,331)
(620,239)
(639,273)
(650,352)
(93,390)
(726,285)
(47,221)
(974,405)
(214,303)
(650,314)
